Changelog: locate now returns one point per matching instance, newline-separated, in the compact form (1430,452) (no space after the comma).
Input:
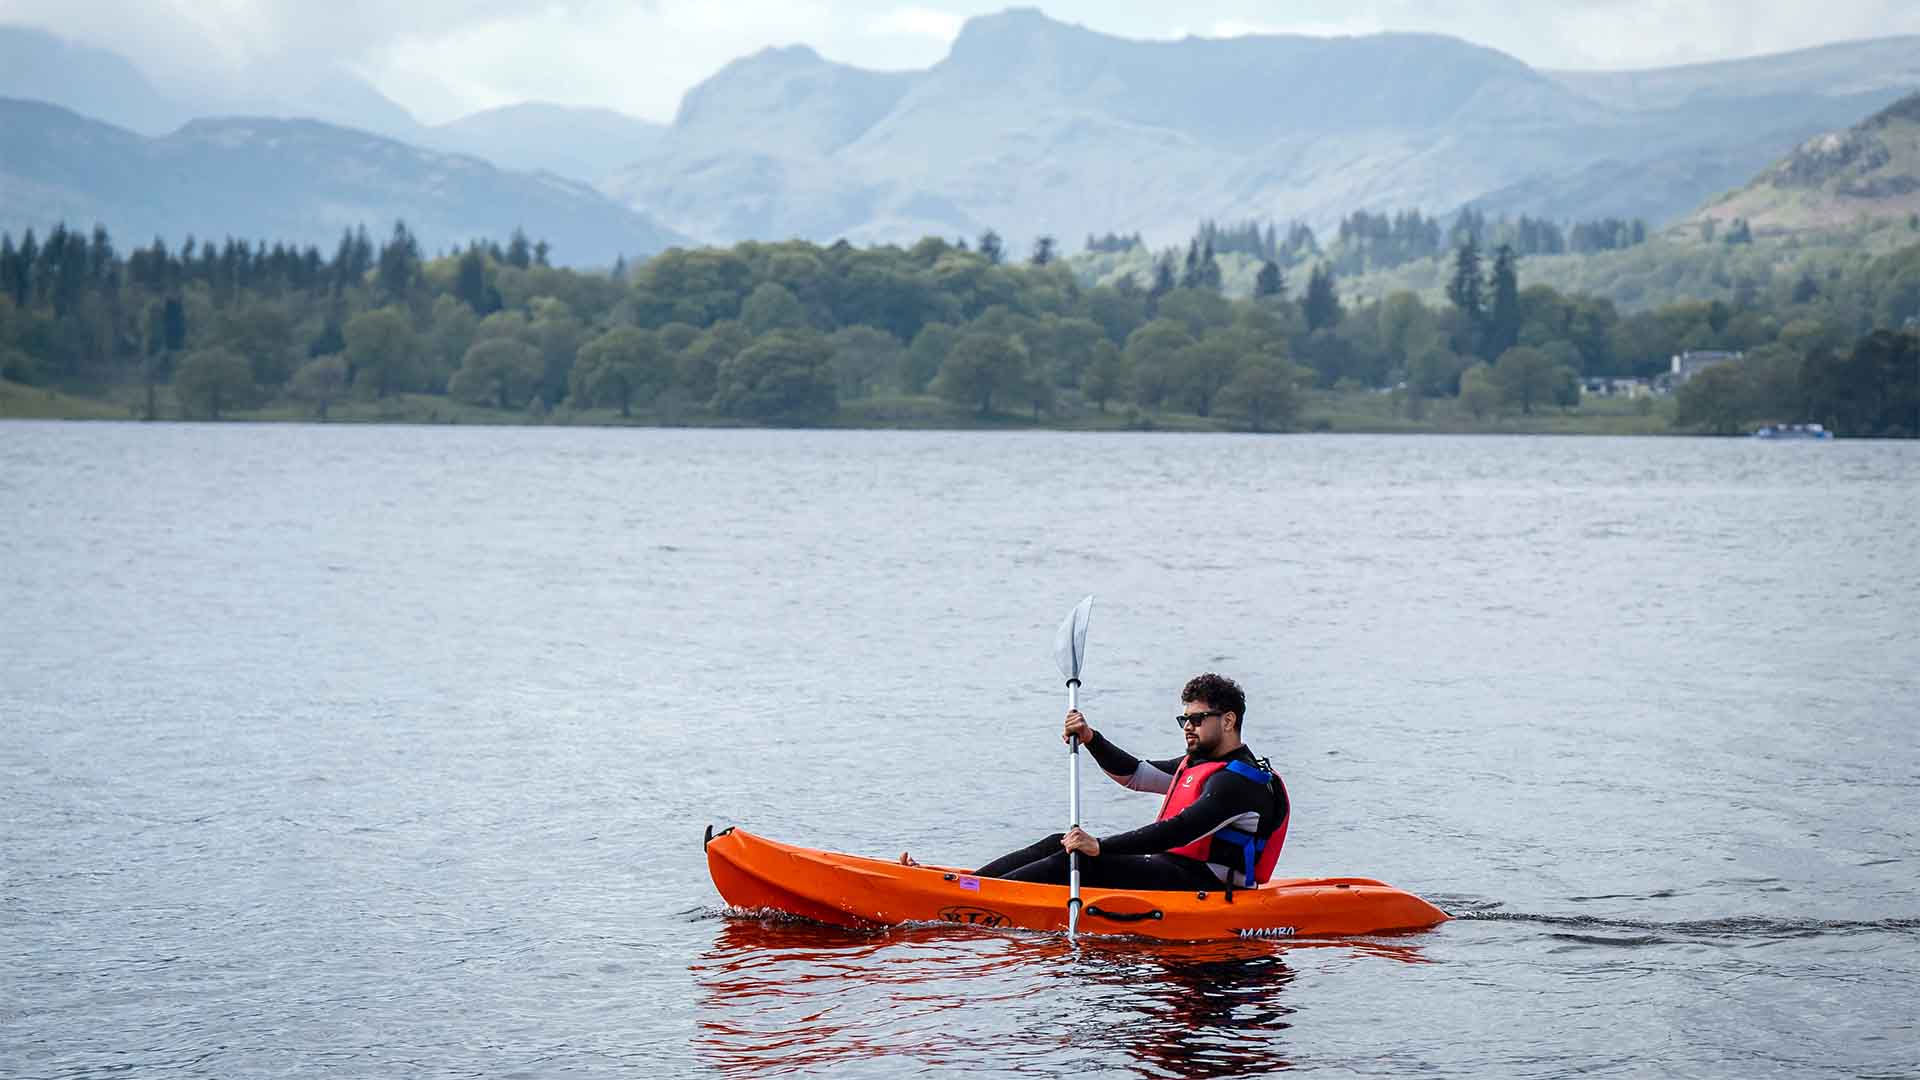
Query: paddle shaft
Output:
(1073,815)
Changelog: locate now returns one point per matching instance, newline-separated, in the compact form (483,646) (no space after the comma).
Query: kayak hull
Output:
(757,874)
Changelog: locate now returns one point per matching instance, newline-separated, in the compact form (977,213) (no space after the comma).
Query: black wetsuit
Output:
(1142,858)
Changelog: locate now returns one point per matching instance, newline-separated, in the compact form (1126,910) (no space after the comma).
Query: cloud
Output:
(942,26)
(1348,27)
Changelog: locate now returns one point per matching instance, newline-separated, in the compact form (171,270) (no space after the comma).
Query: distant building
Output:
(1690,363)
(1605,386)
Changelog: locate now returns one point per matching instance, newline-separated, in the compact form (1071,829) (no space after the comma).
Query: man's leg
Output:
(1014,860)
(1146,872)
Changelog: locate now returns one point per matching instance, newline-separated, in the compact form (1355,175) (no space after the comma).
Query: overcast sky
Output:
(443,58)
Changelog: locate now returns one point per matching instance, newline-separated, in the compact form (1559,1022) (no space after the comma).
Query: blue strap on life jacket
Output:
(1250,846)
(1252,772)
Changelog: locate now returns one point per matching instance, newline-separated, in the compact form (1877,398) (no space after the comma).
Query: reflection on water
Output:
(784,997)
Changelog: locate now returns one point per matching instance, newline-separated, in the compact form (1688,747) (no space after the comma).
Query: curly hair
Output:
(1218,692)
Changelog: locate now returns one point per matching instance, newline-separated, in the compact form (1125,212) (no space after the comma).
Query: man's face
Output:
(1204,726)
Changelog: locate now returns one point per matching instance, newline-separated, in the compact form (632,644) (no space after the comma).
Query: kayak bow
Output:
(756,874)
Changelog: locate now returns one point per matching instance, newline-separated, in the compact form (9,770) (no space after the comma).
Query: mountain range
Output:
(1029,126)
(299,181)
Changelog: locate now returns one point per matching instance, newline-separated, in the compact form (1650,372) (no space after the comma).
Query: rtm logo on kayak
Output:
(1265,931)
(974,916)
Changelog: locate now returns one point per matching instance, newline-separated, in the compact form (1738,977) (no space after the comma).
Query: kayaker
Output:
(1222,821)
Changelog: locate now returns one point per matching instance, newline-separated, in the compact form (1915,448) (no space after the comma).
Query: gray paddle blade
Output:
(1070,644)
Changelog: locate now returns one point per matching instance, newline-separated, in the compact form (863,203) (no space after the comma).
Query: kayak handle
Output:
(1138,916)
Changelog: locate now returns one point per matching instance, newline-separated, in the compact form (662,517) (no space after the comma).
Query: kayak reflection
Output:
(1216,1008)
(782,997)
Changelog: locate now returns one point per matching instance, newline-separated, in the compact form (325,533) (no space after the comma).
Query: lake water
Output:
(371,751)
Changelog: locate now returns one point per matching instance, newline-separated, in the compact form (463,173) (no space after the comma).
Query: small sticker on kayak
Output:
(970,883)
(974,916)
(1265,931)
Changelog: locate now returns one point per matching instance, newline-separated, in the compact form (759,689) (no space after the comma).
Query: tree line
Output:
(790,332)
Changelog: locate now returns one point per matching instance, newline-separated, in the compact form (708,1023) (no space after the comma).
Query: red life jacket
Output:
(1258,853)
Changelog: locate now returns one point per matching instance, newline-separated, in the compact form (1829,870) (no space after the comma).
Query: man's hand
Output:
(1078,839)
(1077,728)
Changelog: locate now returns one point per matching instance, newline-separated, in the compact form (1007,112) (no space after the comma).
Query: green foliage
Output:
(865,361)
(772,307)
(1504,314)
(1322,302)
(1203,368)
(1265,390)
(1200,309)
(321,383)
(1479,393)
(1151,356)
(981,366)
(785,377)
(209,382)
(622,367)
(1270,283)
(1107,377)
(1037,339)
(1525,376)
(698,288)
(500,371)
(1874,390)
(1717,400)
(696,365)
(382,352)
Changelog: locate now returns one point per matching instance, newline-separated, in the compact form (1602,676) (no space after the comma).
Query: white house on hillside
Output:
(1690,363)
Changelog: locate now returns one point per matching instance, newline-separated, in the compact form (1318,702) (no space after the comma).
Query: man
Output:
(1222,822)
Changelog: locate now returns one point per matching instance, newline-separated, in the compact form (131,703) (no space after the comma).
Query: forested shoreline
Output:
(797,333)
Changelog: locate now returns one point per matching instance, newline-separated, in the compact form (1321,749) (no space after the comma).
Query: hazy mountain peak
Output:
(787,100)
(35,64)
(1018,26)
(582,142)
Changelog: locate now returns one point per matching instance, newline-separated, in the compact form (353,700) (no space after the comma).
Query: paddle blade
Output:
(1070,644)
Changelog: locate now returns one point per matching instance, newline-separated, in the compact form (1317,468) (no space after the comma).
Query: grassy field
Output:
(19,402)
(1322,411)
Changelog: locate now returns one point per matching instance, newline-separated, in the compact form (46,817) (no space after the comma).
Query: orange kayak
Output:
(848,890)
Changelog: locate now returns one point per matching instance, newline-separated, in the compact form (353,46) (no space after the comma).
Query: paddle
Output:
(1069,649)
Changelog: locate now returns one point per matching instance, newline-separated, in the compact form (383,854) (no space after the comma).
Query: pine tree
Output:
(1043,251)
(1208,274)
(1322,302)
(1503,315)
(991,248)
(519,251)
(399,266)
(1162,281)
(470,281)
(1270,282)
(1465,290)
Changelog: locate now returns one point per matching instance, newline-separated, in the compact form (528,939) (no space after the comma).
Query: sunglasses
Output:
(1194,719)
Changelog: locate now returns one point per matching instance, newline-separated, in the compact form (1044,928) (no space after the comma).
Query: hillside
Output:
(578,143)
(1031,126)
(293,180)
(101,84)
(1869,172)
